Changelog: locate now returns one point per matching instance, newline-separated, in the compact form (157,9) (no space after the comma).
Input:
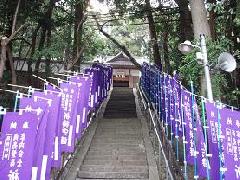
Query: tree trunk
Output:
(80,8)
(67,50)
(10,32)
(200,26)
(233,32)
(153,35)
(212,17)
(40,47)
(13,72)
(234,29)
(33,48)
(46,25)
(199,18)
(165,52)
(238,10)
(185,26)
(79,14)
(48,57)
(4,42)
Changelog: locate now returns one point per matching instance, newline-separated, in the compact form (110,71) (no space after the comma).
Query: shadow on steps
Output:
(121,104)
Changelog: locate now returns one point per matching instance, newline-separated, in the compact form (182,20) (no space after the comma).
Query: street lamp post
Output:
(206,67)
(187,47)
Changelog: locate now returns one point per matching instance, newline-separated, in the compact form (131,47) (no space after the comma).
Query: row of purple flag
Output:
(211,139)
(50,123)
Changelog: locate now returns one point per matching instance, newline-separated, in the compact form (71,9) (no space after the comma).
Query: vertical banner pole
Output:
(156,91)
(159,96)
(166,126)
(170,105)
(194,131)
(163,102)
(16,101)
(205,136)
(30,91)
(3,111)
(176,126)
(184,141)
(219,140)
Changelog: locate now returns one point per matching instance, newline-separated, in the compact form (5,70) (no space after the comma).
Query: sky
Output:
(98,7)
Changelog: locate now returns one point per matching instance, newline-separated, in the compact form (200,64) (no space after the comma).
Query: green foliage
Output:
(127,23)
(94,45)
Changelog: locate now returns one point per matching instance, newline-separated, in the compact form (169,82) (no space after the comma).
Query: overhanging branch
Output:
(120,46)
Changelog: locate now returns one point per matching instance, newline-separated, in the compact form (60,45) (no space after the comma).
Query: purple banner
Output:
(17,145)
(57,145)
(68,127)
(212,118)
(100,81)
(230,128)
(195,144)
(167,100)
(171,104)
(164,99)
(51,87)
(189,127)
(201,150)
(52,157)
(82,103)
(162,79)
(40,109)
(94,89)
(177,100)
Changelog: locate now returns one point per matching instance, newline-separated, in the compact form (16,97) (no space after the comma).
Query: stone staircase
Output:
(117,150)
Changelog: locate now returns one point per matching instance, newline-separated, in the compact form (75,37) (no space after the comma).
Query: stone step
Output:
(117,107)
(119,131)
(115,157)
(122,102)
(122,128)
(112,179)
(116,149)
(116,141)
(130,110)
(108,175)
(116,163)
(123,121)
(116,123)
(124,148)
(112,152)
(100,168)
(118,145)
(123,113)
(127,134)
(115,136)
(119,120)
(119,126)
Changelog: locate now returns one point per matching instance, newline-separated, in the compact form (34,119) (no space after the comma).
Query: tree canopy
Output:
(72,32)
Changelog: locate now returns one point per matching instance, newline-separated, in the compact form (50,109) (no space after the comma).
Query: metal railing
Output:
(167,164)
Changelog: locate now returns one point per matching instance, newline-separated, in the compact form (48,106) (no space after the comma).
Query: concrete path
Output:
(118,149)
